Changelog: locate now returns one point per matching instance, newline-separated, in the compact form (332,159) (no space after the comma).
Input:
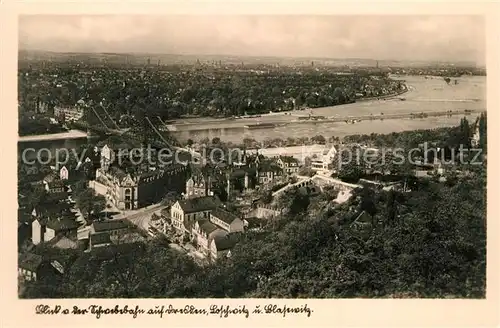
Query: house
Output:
(68,113)
(198,186)
(112,227)
(221,246)
(63,173)
(204,232)
(30,266)
(53,184)
(184,213)
(324,162)
(268,172)
(298,152)
(143,187)
(264,211)
(253,223)
(226,220)
(45,229)
(63,242)
(288,164)
(165,216)
(102,239)
(251,173)
(242,178)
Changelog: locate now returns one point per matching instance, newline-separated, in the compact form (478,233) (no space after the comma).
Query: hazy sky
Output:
(449,38)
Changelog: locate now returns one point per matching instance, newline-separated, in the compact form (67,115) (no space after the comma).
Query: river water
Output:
(425,95)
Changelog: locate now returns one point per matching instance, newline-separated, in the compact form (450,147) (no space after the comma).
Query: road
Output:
(142,217)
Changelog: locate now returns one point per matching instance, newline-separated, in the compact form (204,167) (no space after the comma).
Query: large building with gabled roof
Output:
(184,213)
(137,186)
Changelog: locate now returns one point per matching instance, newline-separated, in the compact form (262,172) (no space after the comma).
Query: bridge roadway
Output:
(122,132)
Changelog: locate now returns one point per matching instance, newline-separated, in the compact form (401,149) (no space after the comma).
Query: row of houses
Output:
(207,224)
(66,233)
(31,266)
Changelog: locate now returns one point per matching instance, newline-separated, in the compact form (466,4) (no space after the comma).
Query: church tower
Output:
(107,157)
(196,186)
(189,188)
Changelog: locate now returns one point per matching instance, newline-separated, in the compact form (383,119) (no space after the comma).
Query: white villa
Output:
(324,162)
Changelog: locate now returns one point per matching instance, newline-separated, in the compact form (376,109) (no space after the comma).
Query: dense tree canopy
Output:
(430,242)
(90,203)
(215,92)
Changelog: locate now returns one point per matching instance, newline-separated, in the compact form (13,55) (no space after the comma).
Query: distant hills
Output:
(166,59)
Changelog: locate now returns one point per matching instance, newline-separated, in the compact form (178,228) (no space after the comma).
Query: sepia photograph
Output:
(251,156)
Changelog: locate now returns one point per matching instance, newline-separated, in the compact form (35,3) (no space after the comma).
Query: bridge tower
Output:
(91,136)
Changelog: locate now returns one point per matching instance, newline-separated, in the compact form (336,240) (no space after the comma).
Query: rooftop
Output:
(254,222)
(225,243)
(289,159)
(100,238)
(207,226)
(63,243)
(223,215)
(30,261)
(199,204)
(52,176)
(62,224)
(109,225)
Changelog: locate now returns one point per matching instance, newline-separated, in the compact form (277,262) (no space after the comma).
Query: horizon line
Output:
(435,61)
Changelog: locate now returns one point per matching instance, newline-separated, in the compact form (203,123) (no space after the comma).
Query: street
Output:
(142,217)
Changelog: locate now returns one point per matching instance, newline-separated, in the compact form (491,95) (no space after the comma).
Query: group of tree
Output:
(171,94)
(30,124)
(399,151)
(482,132)
(428,243)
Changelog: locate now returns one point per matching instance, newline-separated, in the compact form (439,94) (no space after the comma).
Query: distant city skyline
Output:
(411,38)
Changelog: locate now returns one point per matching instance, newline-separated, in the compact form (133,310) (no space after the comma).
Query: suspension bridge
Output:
(97,120)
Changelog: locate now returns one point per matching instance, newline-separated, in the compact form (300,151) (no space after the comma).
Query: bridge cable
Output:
(100,118)
(109,116)
(157,132)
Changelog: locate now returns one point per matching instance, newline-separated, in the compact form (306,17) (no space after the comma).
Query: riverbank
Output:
(394,95)
(193,120)
(71,134)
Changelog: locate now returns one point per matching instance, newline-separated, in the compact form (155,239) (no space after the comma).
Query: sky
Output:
(427,38)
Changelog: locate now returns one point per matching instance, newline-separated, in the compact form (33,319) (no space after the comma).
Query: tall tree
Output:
(90,204)
(391,207)
(483,132)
